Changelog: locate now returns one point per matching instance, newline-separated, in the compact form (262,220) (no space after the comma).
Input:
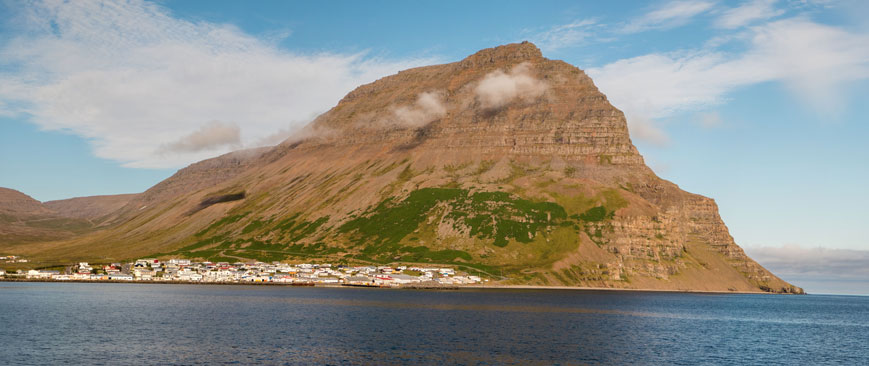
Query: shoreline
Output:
(410,287)
(611,289)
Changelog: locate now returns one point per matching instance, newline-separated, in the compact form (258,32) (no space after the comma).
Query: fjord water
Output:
(58,323)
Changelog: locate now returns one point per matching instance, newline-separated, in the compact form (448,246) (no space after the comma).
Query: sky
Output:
(760,104)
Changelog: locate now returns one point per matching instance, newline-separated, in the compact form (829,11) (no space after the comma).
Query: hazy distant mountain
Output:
(506,163)
(26,220)
(13,202)
(95,208)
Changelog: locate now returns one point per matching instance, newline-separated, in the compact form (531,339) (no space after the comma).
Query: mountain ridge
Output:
(24,219)
(503,162)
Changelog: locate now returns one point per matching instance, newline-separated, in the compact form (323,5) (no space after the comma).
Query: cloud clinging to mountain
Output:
(499,88)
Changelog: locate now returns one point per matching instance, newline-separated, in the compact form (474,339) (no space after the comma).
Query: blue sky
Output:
(759,104)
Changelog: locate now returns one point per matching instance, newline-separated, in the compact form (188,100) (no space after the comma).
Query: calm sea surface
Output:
(74,323)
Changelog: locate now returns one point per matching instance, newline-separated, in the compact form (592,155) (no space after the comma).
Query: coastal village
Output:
(304,274)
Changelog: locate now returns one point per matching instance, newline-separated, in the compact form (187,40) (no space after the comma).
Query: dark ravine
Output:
(439,165)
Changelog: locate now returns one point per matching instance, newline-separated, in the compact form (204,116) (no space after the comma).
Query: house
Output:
(359,280)
(144,274)
(144,262)
(84,267)
(113,268)
(402,279)
(2,273)
(257,279)
(34,274)
(120,277)
(283,279)
(189,276)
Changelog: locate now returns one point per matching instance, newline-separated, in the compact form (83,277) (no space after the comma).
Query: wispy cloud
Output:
(132,79)
(566,35)
(668,15)
(815,61)
(211,136)
(747,13)
(428,107)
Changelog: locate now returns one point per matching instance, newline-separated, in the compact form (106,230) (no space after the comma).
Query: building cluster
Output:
(184,270)
(12,259)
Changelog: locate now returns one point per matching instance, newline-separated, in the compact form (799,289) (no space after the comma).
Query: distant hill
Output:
(26,220)
(94,208)
(505,163)
(13,202)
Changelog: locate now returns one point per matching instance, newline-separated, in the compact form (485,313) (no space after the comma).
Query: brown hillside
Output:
(505,163)
(26,220)
(93,208)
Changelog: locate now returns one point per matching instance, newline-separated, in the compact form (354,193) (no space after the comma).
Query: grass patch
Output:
(226,220)
(496,216)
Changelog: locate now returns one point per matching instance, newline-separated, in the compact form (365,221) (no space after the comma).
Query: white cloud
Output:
(565,35)
(211,136)
(814,61)
(748,12)
(429,106)
(671,14)
(498,88)
(130,78)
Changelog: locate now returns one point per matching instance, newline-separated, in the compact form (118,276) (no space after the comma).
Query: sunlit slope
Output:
(504,163)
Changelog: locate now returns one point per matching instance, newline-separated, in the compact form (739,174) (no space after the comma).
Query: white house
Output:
(402,278)
(120,277)
(34,274)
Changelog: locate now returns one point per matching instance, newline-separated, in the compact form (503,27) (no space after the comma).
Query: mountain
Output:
(94,208)
(505,163)
(26,220)
(13,202)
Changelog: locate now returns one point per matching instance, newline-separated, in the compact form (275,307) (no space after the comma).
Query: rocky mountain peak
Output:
(506,100)
(509,53)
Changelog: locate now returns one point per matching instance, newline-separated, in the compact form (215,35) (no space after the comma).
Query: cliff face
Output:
(505,163)
(506,100)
